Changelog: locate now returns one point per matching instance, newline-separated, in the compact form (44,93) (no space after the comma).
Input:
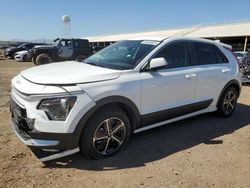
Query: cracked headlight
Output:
(57,108)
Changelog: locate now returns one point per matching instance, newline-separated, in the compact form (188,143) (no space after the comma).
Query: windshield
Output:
(239,55)
(56,43)
(21,46)
(122,55)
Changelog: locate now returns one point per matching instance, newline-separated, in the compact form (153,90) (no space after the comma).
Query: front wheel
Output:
(106,133)
(228,102)
(80,58)
(26,58)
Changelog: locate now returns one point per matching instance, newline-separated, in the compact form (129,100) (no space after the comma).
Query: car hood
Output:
(70,72)
(10,49)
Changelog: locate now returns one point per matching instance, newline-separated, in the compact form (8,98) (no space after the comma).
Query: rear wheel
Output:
(228,102)
(43,59)
(106,133)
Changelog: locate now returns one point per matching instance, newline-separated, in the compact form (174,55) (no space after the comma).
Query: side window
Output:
(220,58)
(176,54)
(206,54)
(28,46)
(62,43)
(80,43)
(76,44)
(65,43)
(69,43)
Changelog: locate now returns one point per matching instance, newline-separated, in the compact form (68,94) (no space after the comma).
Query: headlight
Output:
(57,108)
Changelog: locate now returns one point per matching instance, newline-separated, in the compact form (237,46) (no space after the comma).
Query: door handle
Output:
(225,70)
(190,76)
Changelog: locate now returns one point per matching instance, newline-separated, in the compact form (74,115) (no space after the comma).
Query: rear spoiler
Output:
(229,48)
(224,45)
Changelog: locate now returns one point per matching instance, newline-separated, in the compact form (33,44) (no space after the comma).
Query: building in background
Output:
(235,34)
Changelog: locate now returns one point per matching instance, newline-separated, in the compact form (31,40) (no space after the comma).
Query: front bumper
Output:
(18,58)
(8,54)
(33,142)
(24,129)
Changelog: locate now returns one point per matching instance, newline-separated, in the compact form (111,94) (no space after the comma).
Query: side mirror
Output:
(157,63)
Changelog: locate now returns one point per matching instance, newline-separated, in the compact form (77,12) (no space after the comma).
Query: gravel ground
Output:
(204,151)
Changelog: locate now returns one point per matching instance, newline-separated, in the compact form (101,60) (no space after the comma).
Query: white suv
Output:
(130,86)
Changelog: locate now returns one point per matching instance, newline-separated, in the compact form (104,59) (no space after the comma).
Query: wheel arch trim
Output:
(230,83)
(112,100)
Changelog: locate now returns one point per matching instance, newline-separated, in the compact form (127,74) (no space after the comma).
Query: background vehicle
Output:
(22,56)
(245,67)
(4,47)
(65,49)
(128,87)
(10,52)
(241,55)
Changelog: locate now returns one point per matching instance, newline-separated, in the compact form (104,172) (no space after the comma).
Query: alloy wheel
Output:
(229,102)
(109,136)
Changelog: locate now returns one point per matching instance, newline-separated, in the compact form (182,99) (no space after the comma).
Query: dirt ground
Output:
(203,151)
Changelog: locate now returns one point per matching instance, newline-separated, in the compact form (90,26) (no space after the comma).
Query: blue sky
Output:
(38,19)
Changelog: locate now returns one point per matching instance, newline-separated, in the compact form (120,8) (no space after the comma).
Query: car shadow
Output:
(161,142)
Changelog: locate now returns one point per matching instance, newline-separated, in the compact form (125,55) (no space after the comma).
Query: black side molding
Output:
(156,117)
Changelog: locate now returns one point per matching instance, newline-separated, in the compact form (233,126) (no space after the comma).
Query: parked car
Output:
(4,47)
(245,67)
(128,87)
(240,54)
(64,49)
(10,52)
(22,56)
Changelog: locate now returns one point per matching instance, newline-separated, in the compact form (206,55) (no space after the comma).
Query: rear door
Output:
(212,70)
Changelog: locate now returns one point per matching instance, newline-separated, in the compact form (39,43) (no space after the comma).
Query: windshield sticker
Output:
(150,42)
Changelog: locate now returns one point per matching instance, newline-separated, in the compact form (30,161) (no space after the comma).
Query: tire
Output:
(43,59)
(98,141)
(34,60)
(80,58)
(26,58)
(228,102)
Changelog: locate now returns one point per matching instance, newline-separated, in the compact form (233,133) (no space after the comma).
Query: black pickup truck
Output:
(64,49)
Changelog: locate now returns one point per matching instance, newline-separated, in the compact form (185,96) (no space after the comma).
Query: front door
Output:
(169,92)
(65,49)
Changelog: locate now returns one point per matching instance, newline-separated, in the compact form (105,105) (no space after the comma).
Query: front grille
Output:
(19,118)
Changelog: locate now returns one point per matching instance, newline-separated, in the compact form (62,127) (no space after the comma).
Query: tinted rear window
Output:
(81,43)
(205,54)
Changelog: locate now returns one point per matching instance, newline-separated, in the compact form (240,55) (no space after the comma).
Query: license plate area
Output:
(19,118)
(17,111)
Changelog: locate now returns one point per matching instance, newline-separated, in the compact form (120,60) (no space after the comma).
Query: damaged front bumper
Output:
(46,146)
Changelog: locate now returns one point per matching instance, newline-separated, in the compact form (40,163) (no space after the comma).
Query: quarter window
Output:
(220,58)
(176,54)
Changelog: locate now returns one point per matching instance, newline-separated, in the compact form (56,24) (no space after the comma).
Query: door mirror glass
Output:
(157,63)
